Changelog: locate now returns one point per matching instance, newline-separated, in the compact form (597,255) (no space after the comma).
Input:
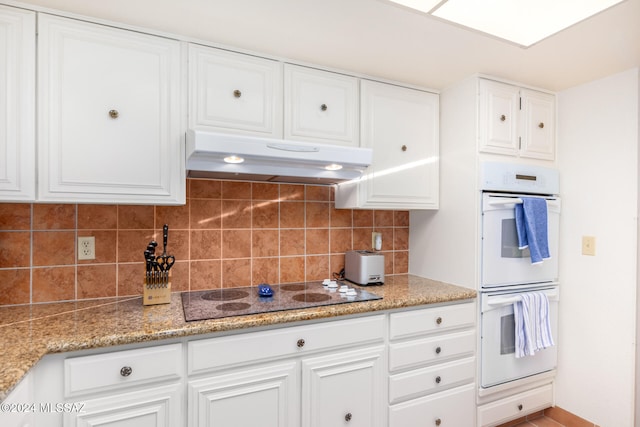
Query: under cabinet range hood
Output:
(227,156)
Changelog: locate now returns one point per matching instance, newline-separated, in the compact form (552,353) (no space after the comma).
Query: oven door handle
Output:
(517,201)
(501,301)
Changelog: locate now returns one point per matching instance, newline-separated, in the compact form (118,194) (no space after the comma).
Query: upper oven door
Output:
(503,264)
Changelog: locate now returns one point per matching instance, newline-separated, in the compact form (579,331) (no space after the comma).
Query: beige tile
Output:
(266,214)
(292,242)
(362,238)
(205,275)
(566,418)
(400,262)
(236,214)
(362,218)
(291,269)
(340,217)
(179,276)
(318,192)
(106,245)
(264,243)
(236,244)
(317,268)
(317,241)
(341,240)
(265,270)
(236,272)
(132,244)
(400,239)
(317,214)
(131,279)
(383,218)
(401,219)
(205,244)
(265,191)
(176,217)
(292,215)
(290,192)
(205,214)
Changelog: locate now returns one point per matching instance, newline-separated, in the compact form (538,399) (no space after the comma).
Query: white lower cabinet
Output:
(344,389)
(503,410)
(266,396)
(432,367)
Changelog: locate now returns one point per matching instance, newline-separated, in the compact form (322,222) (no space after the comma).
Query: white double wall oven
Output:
(506,272)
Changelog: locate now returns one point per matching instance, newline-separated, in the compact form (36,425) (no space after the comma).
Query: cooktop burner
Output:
(214,304)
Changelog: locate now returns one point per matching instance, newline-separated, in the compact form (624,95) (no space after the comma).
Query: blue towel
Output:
(531,226)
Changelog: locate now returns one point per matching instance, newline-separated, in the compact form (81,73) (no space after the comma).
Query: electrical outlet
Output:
(86,247)
(588,245)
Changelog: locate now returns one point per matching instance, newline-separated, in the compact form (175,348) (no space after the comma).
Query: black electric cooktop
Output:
(226,302)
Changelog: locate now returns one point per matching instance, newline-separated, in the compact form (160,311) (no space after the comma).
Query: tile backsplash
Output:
(228,234)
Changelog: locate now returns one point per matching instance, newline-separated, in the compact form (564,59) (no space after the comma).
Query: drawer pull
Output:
(520,407)
(348,417)
(403,148)
(438,421)
(237,93)
(438,350)
(439,320)
(114,114)
(438,379)
(300,343)
(126,371)
(503,118)
(541,125)
(324,107)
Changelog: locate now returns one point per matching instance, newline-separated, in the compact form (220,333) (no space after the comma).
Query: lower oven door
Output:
(499,364)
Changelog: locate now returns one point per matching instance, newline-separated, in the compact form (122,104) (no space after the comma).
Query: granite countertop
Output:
(28,332)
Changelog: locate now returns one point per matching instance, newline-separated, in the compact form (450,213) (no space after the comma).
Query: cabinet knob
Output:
(541,125)
(126,371)
(348,417)
(520,407)
(114,114)
(324,107)
(404,148)
(438,379)
(438,350)
(503,118)
(439,321)
(237,93)
(438,421)
(300,343)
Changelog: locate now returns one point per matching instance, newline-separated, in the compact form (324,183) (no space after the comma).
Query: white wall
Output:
(598,161)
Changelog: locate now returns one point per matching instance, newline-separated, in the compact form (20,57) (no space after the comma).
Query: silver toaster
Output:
(364,267)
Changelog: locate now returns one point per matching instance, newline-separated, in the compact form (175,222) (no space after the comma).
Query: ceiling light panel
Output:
(524,22)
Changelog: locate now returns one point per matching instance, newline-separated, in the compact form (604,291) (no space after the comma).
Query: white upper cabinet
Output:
(515,121)
(109,112)
(320,106)
(17,104)
(233,92)
(402,127)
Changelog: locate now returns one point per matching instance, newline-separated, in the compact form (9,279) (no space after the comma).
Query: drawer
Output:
(431,320)
(430,380)
(519,405)
(213,353)
(419,352)
(120,369)
(454,408)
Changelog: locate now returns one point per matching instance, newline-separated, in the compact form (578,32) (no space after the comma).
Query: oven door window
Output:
(509,241)
(507,334)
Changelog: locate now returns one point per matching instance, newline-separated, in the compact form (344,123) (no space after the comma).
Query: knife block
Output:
(157,290)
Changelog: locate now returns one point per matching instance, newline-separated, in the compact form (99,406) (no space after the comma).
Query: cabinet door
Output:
(17,98)
(153,407)
(401,125)
(498,118)
(344,389)
(109,115)
(264,396)
(538,125)
(232,92)
(320,106)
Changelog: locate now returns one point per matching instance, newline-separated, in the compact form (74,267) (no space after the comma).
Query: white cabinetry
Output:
(320,106)
(501,411)
(233,92)
(401,125)
(109,112)
(17,104)
(516,121)
(432,366)
(141,387)
(18,408)
(323,374)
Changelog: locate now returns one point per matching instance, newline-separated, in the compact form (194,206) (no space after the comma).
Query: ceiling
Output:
(381,39)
